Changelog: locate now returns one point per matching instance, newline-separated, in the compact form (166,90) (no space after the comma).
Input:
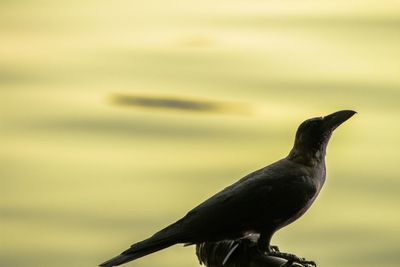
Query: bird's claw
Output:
(292,260)
(274,249)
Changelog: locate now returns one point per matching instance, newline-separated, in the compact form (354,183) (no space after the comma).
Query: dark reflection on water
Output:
(175,103)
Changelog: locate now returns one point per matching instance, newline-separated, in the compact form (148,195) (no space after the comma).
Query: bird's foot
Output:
(274,249)
(292,260)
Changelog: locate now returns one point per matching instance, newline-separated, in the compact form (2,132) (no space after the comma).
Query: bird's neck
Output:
(307,157)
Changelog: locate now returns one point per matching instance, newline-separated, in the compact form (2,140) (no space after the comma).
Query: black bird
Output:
(260,203)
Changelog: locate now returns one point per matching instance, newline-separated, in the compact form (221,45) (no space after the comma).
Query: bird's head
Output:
(313,135)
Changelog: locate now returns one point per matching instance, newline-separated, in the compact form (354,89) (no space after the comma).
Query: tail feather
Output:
(162,239)
(136,252)
(118,260)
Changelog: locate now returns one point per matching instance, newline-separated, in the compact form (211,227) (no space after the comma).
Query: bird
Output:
(260,203)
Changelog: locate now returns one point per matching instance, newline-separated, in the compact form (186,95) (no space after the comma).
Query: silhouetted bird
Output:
(260,203)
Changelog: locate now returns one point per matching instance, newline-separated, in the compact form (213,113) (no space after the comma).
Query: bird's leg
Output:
(263,243)
(274,248)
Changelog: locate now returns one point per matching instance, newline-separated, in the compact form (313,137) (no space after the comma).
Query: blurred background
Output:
(117,117)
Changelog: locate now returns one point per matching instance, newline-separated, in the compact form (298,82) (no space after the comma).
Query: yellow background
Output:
(83,176)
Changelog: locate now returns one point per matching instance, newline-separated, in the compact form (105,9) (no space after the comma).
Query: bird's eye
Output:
(311,123)
(315,122)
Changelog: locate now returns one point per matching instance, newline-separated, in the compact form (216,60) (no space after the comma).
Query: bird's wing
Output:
(261,193)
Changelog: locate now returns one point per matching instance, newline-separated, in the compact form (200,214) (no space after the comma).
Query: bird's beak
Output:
(332,121)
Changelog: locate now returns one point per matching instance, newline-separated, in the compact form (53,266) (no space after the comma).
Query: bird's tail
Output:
(160,240)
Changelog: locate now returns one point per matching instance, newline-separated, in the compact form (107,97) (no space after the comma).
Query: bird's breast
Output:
(296,200)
